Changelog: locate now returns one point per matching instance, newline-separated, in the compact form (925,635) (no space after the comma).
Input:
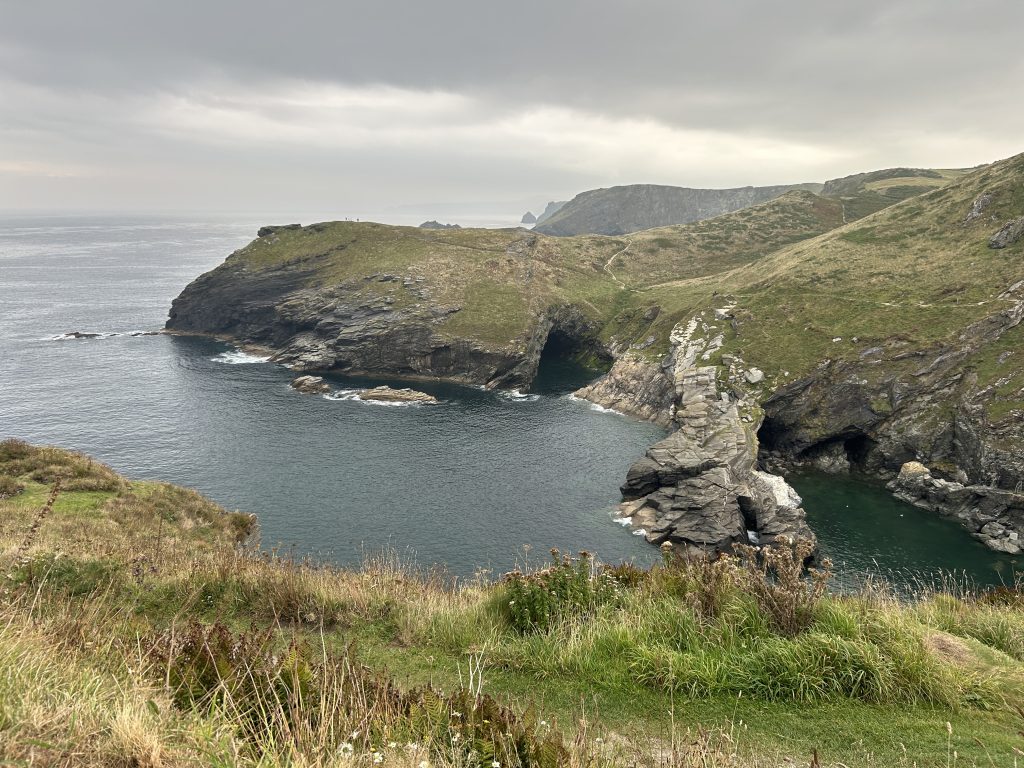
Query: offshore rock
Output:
(311,385)
(386,394)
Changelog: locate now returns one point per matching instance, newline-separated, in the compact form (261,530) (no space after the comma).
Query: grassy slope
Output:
(502,278)
(912,271)
(93,589)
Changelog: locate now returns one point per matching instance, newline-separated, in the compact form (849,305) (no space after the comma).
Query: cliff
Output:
(620,210)
(852,346)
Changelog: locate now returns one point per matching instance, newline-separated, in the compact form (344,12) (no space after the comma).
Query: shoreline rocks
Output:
(700,488)
(992,515)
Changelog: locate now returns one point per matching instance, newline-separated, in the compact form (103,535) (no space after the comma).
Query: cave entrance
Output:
(569,361)
(849,450)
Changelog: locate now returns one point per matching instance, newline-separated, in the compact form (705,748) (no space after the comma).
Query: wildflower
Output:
(424,764)
(495,764)
(346,749)
(378,757)
(355,735)
(392,744)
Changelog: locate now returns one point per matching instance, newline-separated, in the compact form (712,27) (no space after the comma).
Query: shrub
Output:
(9,487)
(568,587)
(774,575)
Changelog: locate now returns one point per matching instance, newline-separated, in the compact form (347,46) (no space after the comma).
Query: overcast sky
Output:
(348,107)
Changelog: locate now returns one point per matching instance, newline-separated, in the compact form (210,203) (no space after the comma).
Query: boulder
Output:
(311,385)
(386,394)
(1008,234)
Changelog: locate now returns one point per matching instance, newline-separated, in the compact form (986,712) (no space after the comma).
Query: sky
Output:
(474,105)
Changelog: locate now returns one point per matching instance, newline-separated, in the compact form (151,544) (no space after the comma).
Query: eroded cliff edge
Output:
(762,343)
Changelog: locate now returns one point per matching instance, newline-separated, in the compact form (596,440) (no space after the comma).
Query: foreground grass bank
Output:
(139,627)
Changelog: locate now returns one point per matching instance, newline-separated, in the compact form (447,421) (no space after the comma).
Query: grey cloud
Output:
(859,84)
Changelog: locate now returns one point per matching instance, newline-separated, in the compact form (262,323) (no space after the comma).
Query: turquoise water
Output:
(865,531)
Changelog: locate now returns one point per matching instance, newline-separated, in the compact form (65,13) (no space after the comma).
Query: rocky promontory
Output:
(767,339)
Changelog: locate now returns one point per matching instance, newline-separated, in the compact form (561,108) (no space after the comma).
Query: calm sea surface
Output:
(466,484)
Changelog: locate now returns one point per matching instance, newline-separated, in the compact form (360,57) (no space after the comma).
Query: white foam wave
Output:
(625,522)
(353,395)
(515,396)
(239,357)
(85,335)
(593,406)
(639,532)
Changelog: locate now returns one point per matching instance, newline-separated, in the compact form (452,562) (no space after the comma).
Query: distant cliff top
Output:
(438,225)
(620,210)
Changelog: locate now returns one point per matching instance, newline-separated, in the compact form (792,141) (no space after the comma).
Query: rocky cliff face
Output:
(382,323)
(700,488)
(620,210)
(896,409)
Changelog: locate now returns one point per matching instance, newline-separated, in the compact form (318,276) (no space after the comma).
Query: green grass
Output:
(702,654)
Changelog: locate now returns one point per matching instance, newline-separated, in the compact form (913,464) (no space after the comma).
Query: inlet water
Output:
(469,484)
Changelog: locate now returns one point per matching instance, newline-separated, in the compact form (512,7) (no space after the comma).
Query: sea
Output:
(478,484)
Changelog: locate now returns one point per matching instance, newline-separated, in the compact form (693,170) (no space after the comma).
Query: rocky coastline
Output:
(937,414)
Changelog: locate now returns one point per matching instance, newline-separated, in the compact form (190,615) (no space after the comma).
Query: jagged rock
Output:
(993,515)
(386,394)
(754,376)
(981,202)
(634,386)
(700,487)
(1008,234)
(912,471)
(528,218)
(311,385)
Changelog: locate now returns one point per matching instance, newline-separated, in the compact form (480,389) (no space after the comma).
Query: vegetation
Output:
(139,627)
(802,270)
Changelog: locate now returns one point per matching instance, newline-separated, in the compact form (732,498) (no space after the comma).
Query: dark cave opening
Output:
(851,448)
(569,361)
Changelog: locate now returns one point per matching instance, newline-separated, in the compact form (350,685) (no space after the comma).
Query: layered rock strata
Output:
(700,488)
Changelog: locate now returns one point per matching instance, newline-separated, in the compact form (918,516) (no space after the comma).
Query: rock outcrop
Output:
(634,386)
(1008,234)
(993,515)
(433,224)
(528,218)
(700,487)
(311,385)
(386,394)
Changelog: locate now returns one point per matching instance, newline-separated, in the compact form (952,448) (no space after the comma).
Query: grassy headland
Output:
(139,627)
